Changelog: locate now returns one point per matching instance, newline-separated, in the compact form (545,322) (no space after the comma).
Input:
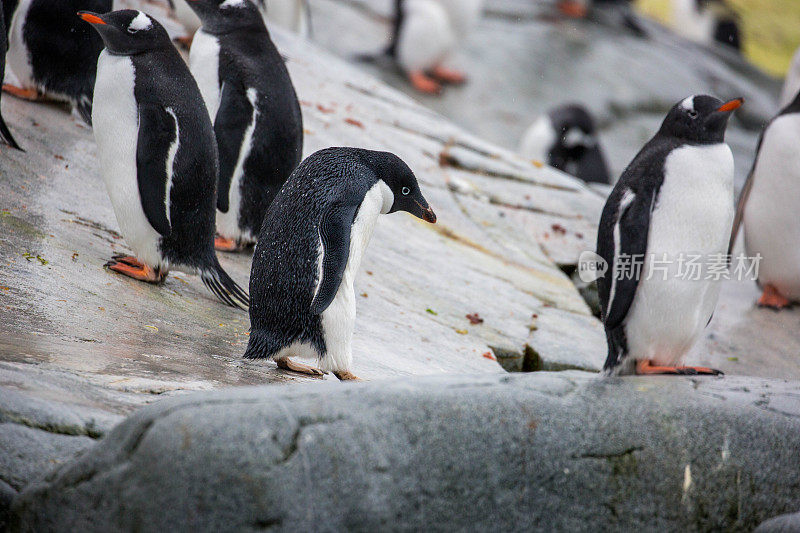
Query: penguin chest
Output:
(771,221)
(116,130)
(539,140)
(691,218)
(339,317)
(426,36)
(18,57)
(204,65)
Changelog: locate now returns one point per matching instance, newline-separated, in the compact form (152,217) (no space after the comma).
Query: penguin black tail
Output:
(220,283)
(5,134)
(261,345)
(84,107)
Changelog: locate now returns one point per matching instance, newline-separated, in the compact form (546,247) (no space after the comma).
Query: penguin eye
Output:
(693,114)
(405,191)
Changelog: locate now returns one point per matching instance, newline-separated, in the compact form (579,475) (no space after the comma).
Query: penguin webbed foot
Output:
(424,83)
(772,299)
(346,375)
(572,9)
(448,75)
(31,95)
(646,367)
(284,363)
(222,244)
(132,267)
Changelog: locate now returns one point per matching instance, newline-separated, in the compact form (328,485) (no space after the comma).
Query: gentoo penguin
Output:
(158,155)
(52,53)
(5,133)
(255,112)
(768,209)
(706,21)
(791,85)
(309,251)
(566,139)
(672,203)
(425,34)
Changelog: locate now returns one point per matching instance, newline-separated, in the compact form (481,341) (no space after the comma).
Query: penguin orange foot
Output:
(424,83)
(572,8)
(130,266)
(346,375)
(448,75)
(645,367)
(228,245)
(26,94)
(773,299)
(285,363)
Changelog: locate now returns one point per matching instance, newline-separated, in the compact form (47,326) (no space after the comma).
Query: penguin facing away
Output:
(309,250)
(768,207)
(566,138)
(254,108)
(706,21)
(5,133)
(158,155)
(425,34)
(674,199)
(53,54)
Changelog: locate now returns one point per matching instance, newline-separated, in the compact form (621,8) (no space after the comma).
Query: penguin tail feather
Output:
(84,107)
(220,283)
(261,345)
(5,134)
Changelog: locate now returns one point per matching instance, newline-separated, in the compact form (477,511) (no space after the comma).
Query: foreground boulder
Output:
(554,451)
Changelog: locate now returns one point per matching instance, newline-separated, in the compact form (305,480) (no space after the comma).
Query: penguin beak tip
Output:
(731,105)
(429,216)
(90,17)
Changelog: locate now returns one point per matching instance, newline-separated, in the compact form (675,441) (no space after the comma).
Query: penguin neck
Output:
(222,26)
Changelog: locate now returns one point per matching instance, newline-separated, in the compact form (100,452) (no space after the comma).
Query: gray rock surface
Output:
(544,451)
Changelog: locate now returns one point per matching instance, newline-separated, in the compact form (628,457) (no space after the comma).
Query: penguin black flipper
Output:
(157,135)
(334,231)
(743,197)
(625,237)
(233,117)
(5,133)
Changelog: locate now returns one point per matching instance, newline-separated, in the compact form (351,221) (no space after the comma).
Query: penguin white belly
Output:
(115,119)
(204,65)
(771,220)
(339,318)
(691,23)
(538,140)
(693,215)
(18,57)
(426,37)
(463,14)
(228,223)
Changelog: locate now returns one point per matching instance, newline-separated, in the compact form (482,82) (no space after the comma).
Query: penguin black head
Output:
(403,184)
(128,32)
(701,119)
(220,16)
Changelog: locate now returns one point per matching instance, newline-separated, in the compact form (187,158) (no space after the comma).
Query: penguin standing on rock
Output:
(768,209)
(309,251)
(426,32)
(673,202)
(5,133)
(256,115)
(566,138)
(158,154)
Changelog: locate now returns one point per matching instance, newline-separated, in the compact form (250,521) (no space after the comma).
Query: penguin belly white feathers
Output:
(18,56)
(204,65)
(771,221)
(426,37)
(115,120)
(338,319)
(538,140)
(693,215)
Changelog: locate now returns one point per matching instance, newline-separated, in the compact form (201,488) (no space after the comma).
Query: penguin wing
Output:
(334,231)
(622,249)
(234,115)
(158,128)
(742,203)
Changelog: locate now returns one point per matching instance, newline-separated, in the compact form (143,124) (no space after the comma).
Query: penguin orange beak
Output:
(91,18)
(732,105)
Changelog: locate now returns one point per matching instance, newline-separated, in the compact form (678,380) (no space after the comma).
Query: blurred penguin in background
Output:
(426,33)
(566,138)
(706,21)
(791,86)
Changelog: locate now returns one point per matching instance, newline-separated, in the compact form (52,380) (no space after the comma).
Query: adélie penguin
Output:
(426,33)
(254,108)
(566,138)
(673,203)
(309,250)
(158,155)
(768,209)
(5,133)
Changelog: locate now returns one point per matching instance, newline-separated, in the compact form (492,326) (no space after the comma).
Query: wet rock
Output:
(556,451)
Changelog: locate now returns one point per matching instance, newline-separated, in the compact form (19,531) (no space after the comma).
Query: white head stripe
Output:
(231,3)
(140,22)
(688,104)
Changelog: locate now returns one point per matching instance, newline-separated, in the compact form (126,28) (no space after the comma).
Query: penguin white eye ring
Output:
(406,191)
